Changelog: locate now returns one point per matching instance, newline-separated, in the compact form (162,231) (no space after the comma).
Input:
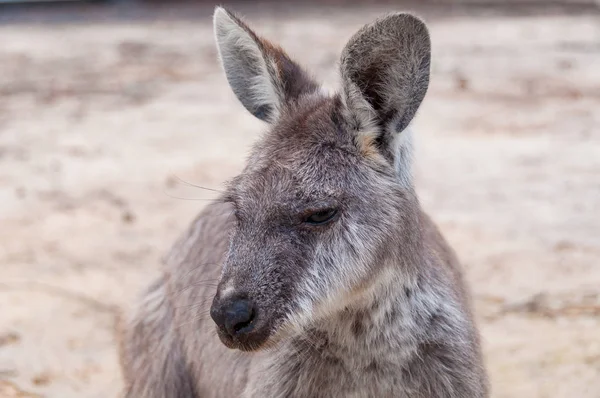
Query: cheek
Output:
(332,277)
(339,263)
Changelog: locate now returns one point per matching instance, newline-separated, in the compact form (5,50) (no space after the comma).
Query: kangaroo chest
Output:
(308,369)
(352,360)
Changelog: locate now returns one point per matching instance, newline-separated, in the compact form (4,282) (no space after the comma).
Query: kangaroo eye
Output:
(321,216)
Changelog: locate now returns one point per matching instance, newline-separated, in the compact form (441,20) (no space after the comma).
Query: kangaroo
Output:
(326,277)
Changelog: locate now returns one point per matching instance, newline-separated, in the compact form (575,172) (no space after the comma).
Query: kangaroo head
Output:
(326,197)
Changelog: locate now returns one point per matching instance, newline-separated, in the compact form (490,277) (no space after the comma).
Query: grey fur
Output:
(371,304)
(260,74)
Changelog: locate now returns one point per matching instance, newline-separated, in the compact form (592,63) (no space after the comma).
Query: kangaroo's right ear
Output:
(261,75)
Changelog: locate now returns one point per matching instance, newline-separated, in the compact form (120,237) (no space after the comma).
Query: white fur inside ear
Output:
(364,117)
(403,156)
(249,71)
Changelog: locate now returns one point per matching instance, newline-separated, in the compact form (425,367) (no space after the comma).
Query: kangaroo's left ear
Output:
(261,74)
(385,75)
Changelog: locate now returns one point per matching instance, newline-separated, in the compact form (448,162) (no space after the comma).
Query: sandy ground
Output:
(99,117)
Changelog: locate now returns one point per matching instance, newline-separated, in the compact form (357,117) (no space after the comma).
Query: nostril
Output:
(244,324)
(239,317)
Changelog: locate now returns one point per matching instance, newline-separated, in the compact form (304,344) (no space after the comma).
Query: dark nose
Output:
(235,316)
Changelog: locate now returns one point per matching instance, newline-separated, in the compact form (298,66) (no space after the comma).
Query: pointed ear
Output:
(385,75)
(261,75)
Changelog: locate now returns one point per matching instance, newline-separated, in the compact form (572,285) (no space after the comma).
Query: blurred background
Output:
(104,105)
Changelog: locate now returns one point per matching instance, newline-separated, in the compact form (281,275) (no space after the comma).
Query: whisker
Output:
(179,197)
(202,316)
(181,291)
(211,283)
(206,281)
(197,186)
(230,215)
(195,305)
(200,266)
(213,333)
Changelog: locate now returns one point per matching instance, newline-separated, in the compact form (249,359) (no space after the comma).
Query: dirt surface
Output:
(99,117)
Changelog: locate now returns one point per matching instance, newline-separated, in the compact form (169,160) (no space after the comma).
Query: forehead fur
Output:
(313,123)
(310,152)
